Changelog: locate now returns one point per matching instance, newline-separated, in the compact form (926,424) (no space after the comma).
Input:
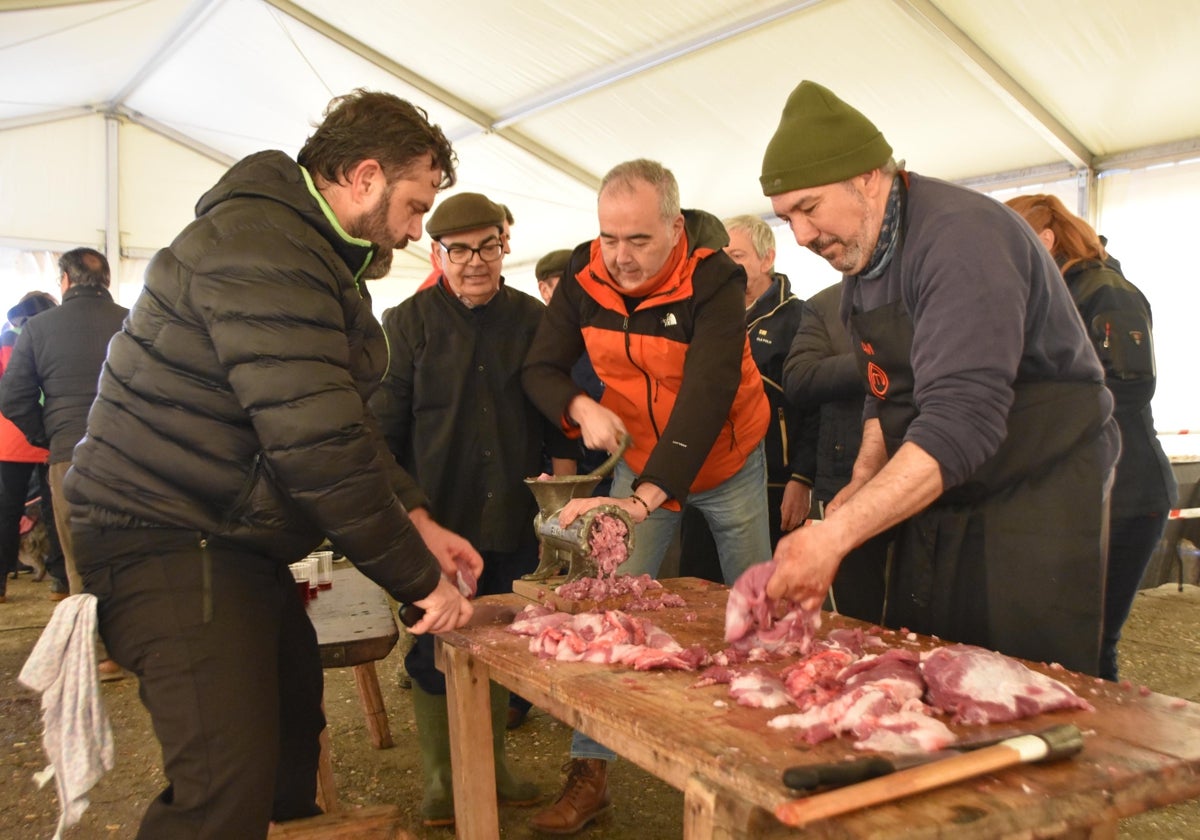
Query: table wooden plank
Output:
(353,620)
(355,626)
(1141,751)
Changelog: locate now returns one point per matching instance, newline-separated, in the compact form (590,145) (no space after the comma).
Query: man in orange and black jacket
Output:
(660,310)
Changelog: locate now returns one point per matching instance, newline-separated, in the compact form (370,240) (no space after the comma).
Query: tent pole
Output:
(112,190)
(1087,204)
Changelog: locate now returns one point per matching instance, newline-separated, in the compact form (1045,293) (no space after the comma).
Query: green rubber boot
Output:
(509,789)
(433,737)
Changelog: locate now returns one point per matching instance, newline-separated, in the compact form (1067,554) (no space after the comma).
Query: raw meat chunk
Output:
(981,686)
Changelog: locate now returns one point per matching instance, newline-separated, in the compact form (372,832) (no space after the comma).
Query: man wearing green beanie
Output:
(454,421)
(988,436)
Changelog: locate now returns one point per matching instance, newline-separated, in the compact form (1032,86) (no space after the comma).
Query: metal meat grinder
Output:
(570,547)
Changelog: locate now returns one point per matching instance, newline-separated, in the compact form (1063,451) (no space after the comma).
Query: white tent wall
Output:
(1149,216)
(52,179)
(159,184)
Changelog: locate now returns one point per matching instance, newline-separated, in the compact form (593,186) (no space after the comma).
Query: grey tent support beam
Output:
(1015,178)
(1149,155)
(182,29)
(28,5)
(647,60)
(996,79)
(112,187)
(472,112)
(46,117)
(171,134)
(21,244)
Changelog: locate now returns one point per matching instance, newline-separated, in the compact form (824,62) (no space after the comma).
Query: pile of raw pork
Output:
(848,683)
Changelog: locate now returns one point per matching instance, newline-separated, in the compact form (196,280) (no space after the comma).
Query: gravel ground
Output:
(1161,650)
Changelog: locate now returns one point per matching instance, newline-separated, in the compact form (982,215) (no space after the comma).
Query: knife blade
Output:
(484,614)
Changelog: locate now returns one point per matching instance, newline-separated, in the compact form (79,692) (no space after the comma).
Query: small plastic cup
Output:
(311,562)
(300,573)
(324,568)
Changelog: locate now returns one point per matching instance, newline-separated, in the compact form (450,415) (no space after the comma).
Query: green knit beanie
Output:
(820,140)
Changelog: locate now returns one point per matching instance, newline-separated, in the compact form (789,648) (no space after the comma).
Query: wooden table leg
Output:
(711,811)
(327,796)
(366,680)
(472,768)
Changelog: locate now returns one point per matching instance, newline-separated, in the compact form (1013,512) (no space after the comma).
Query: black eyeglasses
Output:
(461,254)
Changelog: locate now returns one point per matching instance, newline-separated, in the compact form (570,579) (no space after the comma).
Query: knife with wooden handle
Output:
(1055,743)
(809,777)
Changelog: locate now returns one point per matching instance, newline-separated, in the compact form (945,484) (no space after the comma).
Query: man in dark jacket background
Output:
(230,435)
(51,378)
(821,374)
(772,318)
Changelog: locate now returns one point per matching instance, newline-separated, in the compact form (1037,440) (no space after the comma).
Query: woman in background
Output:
(1117,317)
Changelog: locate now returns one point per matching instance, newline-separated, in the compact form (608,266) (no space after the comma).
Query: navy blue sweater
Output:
(989,307)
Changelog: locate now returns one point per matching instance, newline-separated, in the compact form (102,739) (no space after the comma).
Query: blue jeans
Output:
(736,510)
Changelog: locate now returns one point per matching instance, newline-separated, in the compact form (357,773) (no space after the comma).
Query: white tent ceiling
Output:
(115,115)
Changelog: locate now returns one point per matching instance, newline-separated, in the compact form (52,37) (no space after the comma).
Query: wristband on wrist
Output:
(641,502)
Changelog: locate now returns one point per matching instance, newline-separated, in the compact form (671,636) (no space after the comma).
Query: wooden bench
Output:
(378,822)
(355,627)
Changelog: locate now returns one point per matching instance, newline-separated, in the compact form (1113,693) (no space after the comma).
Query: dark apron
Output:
(1013,559)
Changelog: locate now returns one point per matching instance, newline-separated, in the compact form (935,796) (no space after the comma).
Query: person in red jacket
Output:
(660,310)
(18,457)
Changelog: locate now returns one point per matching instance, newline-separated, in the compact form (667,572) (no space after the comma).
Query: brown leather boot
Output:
(584,798)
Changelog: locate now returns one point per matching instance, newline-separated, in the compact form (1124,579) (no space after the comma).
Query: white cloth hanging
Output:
(76,734)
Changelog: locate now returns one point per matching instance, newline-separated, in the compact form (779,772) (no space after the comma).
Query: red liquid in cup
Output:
(302,590)
(328,585)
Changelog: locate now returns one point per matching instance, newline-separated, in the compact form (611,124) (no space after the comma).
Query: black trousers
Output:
(1131,543)
(17,481)
(228,669)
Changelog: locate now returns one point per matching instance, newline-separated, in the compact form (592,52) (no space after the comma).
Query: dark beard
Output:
(372,226)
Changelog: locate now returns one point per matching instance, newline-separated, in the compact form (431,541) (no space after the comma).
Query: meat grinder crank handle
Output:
(611,461)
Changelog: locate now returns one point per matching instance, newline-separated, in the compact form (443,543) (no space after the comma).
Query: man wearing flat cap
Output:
(549,271)
(454,415)
(988,434)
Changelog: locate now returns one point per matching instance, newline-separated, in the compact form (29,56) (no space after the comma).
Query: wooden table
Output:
(355,627)
(1142,750)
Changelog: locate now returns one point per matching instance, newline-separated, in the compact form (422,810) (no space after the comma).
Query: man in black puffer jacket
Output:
(50,380)
(230,435)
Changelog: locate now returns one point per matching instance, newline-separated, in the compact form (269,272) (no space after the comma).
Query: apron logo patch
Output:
(1137,336)
(877,379)
(868,349)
